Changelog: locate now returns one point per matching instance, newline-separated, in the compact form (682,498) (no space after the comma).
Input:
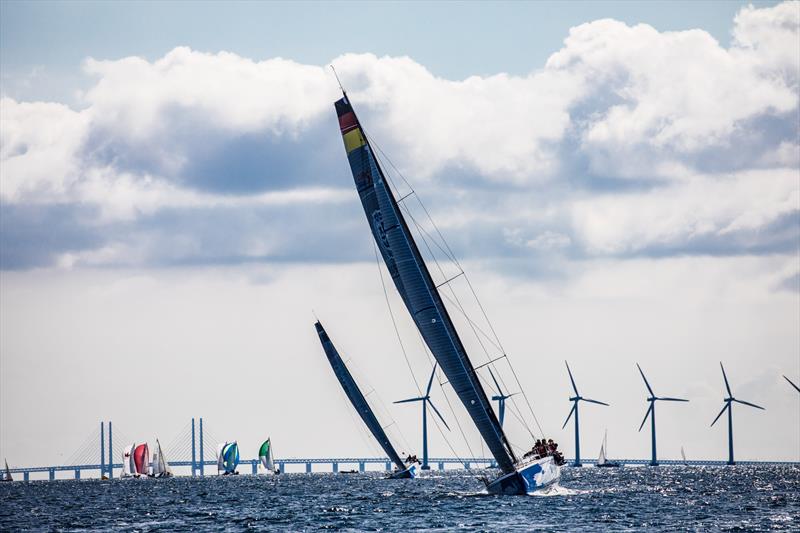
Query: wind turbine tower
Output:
(426,401)
(729,407)
(500,398)
(575,401)
(651,412)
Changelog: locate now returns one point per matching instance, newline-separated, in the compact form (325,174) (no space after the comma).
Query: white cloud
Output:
(714,128)
(39,148)
(702,206)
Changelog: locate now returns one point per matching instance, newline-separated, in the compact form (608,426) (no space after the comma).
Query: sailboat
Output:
(266,464)
(228,458)
(424,303)
(160,466)
(363,408)
(602,460)
(683,454)
(7,473)
(135,461)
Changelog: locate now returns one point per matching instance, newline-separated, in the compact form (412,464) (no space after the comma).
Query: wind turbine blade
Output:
(594,401)
(410,400)
(649,410)
(727,406)
(574,406)
(748,403)
(730,394)
(646,384)
(499,390)
(435,410)
(666,399)
(430,381)
(792,384)
(571,379)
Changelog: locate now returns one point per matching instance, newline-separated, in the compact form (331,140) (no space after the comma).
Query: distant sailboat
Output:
(160,466)
(362,407)
(683,454)
(228,458)
(602,460)
(7,474)
(422,299)
(135,461)
(266,464)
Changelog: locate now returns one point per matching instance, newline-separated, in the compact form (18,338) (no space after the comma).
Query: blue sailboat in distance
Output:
(363,408)
(424,303)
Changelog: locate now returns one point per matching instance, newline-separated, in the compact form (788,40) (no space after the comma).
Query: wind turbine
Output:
(790,383)
(500,398)
(651,412)
(729,406)
(426,400)
(575,400)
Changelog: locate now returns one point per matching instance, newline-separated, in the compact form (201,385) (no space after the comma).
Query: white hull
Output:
(528,478)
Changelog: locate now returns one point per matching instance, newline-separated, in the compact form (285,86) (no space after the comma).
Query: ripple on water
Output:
(654,499)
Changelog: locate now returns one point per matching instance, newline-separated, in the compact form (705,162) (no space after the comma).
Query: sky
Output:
(621,182)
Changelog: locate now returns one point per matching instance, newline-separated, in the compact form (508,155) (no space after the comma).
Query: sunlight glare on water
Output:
(741,498)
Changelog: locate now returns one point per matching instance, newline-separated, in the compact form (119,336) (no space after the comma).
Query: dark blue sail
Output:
(415,285)
(356,397)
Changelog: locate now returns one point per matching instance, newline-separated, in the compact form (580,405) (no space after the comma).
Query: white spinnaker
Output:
(127,461)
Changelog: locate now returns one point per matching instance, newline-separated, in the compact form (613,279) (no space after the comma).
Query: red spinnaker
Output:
(141,457)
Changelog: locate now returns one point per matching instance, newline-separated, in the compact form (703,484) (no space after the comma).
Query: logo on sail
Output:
(380,231)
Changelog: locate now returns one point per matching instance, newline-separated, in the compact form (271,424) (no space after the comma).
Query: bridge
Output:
(188,450)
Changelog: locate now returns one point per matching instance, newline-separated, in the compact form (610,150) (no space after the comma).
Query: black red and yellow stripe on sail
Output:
(348,124)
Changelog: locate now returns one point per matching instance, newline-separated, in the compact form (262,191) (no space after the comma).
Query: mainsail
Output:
(7,473)
(601,459)
(415,284)
(160,465)
(356,397)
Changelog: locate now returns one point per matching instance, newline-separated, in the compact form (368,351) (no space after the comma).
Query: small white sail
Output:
(153,468)
(270,462)
(683,454)
(128,467)
(163,466)
(601,459)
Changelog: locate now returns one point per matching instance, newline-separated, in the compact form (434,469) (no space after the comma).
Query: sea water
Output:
(667,498)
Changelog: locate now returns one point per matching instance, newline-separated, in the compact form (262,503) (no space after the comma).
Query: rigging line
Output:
(477,300)
(450,255)
(441,271)
(458,422)
(422,231)
(514,410)
(485,335)
(497,430)
(378,406)
(391,314)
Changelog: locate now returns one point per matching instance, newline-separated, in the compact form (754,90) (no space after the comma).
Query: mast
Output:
(415,284)
(357,398)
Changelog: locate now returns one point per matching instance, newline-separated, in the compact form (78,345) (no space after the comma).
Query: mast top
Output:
(338,80)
